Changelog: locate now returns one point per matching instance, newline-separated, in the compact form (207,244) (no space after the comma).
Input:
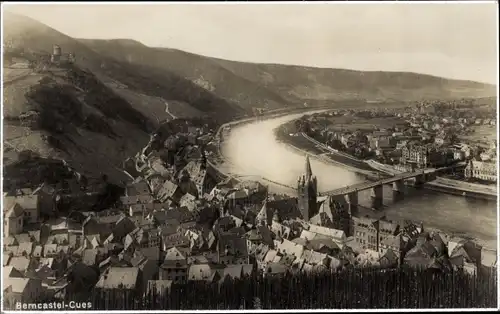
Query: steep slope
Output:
(93,113)
(200,70)
(281,85)
(28,36)
(66,113)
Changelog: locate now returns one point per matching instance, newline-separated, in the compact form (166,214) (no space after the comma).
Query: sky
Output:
(454,40)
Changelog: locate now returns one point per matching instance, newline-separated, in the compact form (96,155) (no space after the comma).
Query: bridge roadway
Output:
(367,185)
(250,176)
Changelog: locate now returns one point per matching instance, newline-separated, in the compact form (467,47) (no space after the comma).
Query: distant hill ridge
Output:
(275,83)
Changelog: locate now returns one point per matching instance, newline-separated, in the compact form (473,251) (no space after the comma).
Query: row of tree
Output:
(352,288)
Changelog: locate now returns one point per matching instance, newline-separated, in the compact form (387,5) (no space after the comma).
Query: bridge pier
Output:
(419,180)
(352,201)
(398,188)
(377,194)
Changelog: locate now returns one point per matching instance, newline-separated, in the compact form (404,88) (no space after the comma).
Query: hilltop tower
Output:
(56,54)
(307,187)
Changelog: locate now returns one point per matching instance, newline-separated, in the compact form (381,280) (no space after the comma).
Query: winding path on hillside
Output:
(167,110)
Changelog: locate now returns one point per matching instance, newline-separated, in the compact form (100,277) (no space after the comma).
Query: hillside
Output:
(93,113)
(67,113)
(277,85)
(341,84)
(148,83)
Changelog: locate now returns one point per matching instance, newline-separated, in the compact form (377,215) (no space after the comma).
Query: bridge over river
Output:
(420,178)
(253,149)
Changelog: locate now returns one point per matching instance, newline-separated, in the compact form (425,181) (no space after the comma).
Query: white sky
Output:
(454,40)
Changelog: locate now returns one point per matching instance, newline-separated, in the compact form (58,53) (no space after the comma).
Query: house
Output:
(30,205)
(178,239)
(142,238)
(365,232)
(389,259)
(50,250)
(336,235)
(138,187)
(145,209)
(188,201)
(387,232)
(122,278)
(175,266)
(315,259)
(90,257)
(232,250)
(261,234)
(21,263)
(169,191)
(466,249)
(121,228)
(462,259)
(101,224)
(13,218)
(203,272)
(230,272)
(202,174)
(321,245)
(367,258)
(427,253)
(11,271)
(286,247)
(481,170)
(25,249)
(422,156)
(24,290)
(489,258)
(137,199)
(276,270)
(11,250)
(394,243)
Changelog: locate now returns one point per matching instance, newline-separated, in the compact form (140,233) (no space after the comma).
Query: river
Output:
(252,151)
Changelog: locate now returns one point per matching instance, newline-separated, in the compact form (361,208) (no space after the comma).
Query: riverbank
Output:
(372,169)
(302,145)
(446,185)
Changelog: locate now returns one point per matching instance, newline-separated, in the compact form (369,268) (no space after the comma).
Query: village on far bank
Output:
(180,220)
(422,135)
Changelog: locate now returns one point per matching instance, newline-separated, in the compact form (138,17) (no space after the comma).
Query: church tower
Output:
(307,187)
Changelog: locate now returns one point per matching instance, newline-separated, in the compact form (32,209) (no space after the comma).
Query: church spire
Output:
(308,168)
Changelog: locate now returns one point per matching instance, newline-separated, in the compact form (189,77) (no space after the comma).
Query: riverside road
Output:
(253,151)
